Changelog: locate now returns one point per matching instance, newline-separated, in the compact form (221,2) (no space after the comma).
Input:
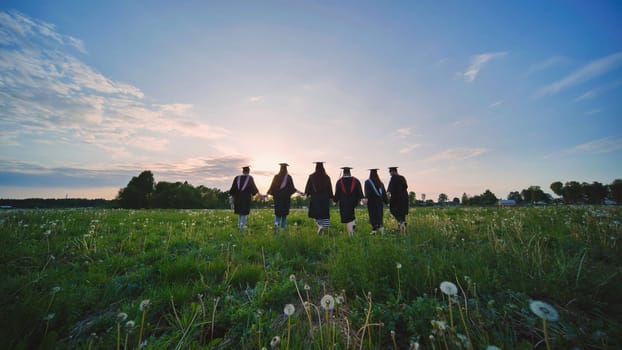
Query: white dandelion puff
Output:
(292,277)
(144,304)
(274,343)
(448,288)
(544,310)
(289,309)
(55,290)
(398,265)
(327,302)
(121,317)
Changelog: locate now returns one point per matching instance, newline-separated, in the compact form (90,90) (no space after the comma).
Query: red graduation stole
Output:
(343,186)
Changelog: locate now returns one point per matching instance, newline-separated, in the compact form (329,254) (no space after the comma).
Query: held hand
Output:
(364,201)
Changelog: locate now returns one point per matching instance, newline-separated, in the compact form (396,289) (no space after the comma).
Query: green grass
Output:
(68,274)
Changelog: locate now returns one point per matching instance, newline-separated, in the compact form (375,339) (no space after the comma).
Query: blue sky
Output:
(463,96)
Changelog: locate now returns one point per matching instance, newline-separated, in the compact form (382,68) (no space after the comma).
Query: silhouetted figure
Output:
(376,198)
(398,198)
(242,189)
(282,189)
(348,193)
(319,188)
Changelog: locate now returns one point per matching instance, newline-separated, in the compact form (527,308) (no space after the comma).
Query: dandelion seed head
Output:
(144,304)
(121,317)
(398,265)
(448,288)
(392,334)
(289,309)
(327,302)
(129,325)
(49,316)
(543,310)
(307,287)
(55,290)
(292,277)
(276,340)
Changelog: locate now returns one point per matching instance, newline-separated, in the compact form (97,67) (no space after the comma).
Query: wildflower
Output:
(274,343)
(439,325)
(448,288)
(328,302)
(121,316)
(398,265)
(55,290)
(129,325)
(48,232)
(289,309)
(392,334)
(339,299)
(292,277)
(144,304)
(307,287)
(543,310)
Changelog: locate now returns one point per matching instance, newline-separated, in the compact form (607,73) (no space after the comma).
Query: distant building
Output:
(506,202)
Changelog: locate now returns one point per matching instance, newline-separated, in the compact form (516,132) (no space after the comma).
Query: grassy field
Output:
(187,279)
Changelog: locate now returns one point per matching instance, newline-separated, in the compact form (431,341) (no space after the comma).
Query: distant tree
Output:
(595,193)
(573,192)
(516,196)
(412,199)
(533,194)
(138,192)
(558,188)
(442,198)
(615,191)
(465,199)
(423,197)
(456,200)
(488,198)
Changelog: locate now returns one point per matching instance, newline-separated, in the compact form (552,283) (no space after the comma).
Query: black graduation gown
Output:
(348,193)
(376,199)
(282,196)
(399,197)
(242,194)
(320,189)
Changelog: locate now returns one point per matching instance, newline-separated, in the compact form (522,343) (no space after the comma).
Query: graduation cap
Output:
(319,165)
(246,169)
(373,170)
(283,164)
(346,170)
(393,168)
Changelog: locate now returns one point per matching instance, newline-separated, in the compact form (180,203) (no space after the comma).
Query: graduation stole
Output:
(373,186)
(284,182)
(343,186)
(248,177)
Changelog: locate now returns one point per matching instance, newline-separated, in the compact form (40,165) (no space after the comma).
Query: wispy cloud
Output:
(592,93)
(478,62)
(253,99)
(402,132)
(459,153)
(47,90)
(599,146)
(496,104)
(409,148)
(211,172)
(546,64)
(588,72)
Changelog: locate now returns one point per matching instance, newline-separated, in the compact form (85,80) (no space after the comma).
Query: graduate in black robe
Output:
(376,198)
(348,193)
(320,190)
(398,198)
(281,190)
(242,189)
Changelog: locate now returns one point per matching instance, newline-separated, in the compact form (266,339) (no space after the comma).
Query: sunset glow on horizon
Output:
(462,98)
